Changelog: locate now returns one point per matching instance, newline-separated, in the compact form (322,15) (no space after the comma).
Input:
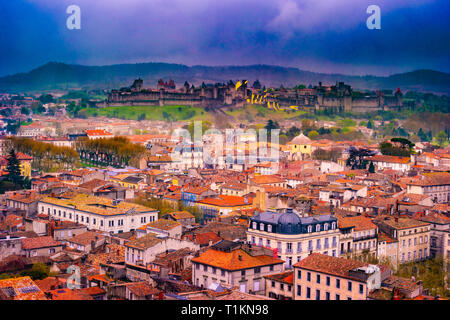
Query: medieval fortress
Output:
(339,97)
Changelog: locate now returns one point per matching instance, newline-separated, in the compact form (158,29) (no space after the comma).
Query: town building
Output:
(98,213)
(292,237)
(322,277)
(233,264)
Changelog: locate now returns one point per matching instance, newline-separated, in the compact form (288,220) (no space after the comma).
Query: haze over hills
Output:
(54,75)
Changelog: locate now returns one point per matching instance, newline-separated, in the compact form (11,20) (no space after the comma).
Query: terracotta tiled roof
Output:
(163,224)
(142,289)
(389,159)
(204,238)
(227,201)
(144,242)
(360,223)
(39,242)
(231,261)
(85,238)
(285,277)
(331,265)
(98,133)
(22,288)
(179,215)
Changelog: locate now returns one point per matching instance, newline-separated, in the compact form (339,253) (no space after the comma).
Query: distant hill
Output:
(54,75)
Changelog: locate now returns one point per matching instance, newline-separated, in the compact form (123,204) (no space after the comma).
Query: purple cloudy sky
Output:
(316,35)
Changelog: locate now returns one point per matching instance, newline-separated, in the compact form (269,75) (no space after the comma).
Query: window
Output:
(253,240)
(269,228)
(327,296)
(325,226)
(349,286)
(338,283)
(317,227)
(271,268)
(222,273)
(205,268)
(258,270)
(254,225)
(310,245)
(317,294)
(308,293)
(318,245)
(261,226)
(243,273)
(299,290)
(333,225)
(318,278)
(338,297)
(281,286)
(268,243)
(308,276)
(299,247)
(325,245)
(299,274)
(273,284)
(214,270)
(289,247)
(361,289)
(328,281)
(309,228)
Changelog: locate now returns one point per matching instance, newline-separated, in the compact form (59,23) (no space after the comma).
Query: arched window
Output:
(269,228)
(325,226)
(333,225)
(317,227)
(261,226)
(309,228)
(254,225)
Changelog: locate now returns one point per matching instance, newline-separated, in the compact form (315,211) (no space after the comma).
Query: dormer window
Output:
(309,228)
(254,225)
(317,227)
(269,228)
(325,227)
(261,226)
(333,225)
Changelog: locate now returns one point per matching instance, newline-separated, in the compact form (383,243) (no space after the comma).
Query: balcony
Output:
(372,236)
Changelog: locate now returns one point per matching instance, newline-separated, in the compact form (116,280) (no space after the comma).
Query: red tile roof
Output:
(330,265)
(39,242)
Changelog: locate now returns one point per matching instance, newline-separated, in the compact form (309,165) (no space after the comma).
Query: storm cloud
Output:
(317,35)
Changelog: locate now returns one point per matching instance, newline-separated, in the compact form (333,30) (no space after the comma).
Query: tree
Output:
(441,138)
(13,170)
(422,135)
(371,167)
(313,134)
(25,111)
(356,157)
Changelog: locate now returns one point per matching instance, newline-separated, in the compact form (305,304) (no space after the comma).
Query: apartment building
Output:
(321,277)
(363,236)
(98,213)
(292,237)
(234,264)
(434,184)
(413,237)
(280,286)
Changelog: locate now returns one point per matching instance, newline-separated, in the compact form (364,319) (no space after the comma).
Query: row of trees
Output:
(117,152)
(165,207)
(47,157)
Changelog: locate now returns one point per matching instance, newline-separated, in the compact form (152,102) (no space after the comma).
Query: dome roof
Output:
(301,139)
(289,222)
